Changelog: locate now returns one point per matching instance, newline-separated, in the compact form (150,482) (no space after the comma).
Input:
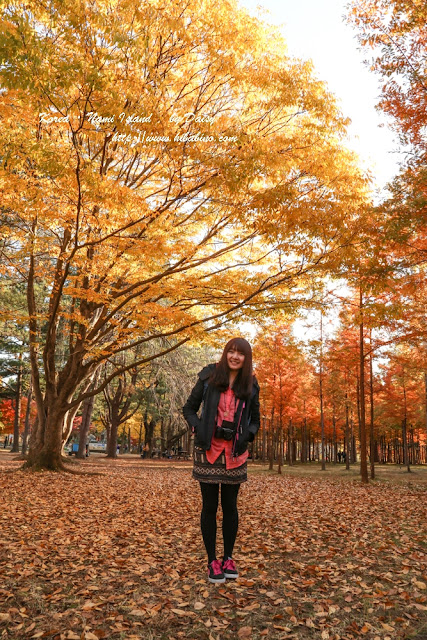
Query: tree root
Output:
(76,472)
(58,468)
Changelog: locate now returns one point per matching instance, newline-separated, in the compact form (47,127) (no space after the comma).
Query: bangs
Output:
(241,345)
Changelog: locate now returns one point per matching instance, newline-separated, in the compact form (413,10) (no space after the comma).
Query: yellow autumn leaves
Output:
(160,239)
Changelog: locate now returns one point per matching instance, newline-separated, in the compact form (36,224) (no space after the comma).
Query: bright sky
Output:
(315,29)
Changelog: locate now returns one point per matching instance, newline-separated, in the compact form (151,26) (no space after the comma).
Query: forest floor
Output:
(116,553)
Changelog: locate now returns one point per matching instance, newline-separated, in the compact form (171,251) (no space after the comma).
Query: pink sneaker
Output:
(229,568)
(215,572)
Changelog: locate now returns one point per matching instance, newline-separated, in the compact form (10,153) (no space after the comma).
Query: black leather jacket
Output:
(246,416)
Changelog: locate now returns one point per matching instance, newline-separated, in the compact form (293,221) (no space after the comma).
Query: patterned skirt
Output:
(217,473)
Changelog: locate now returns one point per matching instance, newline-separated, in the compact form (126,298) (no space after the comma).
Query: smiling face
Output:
(235,359)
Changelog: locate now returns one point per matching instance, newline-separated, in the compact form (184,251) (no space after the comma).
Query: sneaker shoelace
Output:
(216,567)
(229,564)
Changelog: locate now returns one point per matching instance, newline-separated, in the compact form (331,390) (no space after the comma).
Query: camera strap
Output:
(239,429)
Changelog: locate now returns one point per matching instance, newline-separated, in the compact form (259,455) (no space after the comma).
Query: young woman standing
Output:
(229,420)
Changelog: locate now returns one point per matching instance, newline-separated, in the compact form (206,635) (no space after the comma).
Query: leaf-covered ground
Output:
(119,555)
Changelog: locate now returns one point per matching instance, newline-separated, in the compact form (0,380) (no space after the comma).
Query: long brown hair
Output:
(242,385)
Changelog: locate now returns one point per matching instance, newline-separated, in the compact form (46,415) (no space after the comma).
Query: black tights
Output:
(230,517)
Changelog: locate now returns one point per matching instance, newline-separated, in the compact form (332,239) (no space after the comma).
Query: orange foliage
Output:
(286,377)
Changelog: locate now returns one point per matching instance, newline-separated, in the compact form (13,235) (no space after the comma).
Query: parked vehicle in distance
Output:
(97,446)
(72,447)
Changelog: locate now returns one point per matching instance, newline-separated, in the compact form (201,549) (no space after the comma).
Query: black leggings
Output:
(230,517)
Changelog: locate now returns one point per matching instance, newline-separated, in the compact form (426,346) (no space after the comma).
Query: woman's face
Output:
(235,359)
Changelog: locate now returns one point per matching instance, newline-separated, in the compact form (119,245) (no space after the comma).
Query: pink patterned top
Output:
(226,408)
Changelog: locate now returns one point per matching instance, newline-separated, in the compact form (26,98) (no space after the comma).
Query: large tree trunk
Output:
(112,440)
(45,451)
(149,431)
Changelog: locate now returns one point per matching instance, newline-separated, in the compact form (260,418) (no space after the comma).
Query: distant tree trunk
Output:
(85,426)
(27,419)
(186,442)
(149,431)
(334,434)
(68,425)
(322,420)
(358,402)
(123,440)
(353,457)
(291,439)
(119,401)
(371,394)
(107,425)
(383,450)
(141,424)
(412,452)
(425,407)
(256,444)
(18,399)
(162,434)
(271,449)
(271,439)
(169,434)
(88,405)
(280,447)
(405,446)
(347,436)
(363,457)
(404,434)
(264,439)
(304,438)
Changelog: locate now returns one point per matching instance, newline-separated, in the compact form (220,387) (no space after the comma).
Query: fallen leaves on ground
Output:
(119,556)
